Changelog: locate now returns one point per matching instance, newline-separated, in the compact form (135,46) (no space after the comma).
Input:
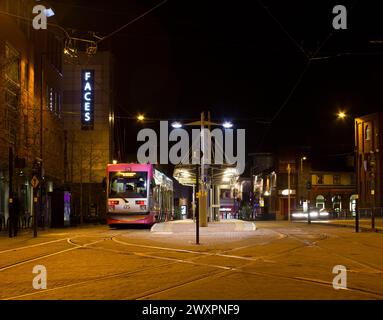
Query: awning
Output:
(216,174)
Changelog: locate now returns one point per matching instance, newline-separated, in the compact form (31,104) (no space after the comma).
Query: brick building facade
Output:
(368,154)
(30,91)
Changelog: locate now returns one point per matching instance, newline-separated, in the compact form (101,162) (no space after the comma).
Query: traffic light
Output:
(308,185)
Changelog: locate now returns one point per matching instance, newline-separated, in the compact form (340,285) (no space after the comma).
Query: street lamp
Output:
(140,117)
(302,159)
(341,115)
(227,125)
(177,125)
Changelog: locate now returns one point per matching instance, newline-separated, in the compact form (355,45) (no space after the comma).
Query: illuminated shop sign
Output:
(87,100)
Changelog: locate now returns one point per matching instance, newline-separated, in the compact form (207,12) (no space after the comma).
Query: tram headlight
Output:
(143,207)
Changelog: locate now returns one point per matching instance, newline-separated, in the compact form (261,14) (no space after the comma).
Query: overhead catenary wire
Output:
(132,21)
(283,29)
(30,20)
(300,77)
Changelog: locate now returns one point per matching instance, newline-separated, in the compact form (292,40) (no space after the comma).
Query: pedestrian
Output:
(16,215)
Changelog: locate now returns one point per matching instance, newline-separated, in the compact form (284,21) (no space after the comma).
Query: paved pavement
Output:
(363,223)
(188,226)
(278,260)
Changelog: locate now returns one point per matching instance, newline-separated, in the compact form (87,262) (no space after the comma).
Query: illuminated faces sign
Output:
(87,100)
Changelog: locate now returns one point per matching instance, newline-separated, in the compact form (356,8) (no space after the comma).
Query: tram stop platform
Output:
(188,226)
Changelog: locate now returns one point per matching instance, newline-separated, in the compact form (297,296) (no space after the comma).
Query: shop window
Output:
(353,200)
(337,203)
(367,133)
(320,202)
(273,180)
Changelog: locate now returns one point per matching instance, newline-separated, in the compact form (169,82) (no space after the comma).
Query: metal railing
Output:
(367,212)
(24,221)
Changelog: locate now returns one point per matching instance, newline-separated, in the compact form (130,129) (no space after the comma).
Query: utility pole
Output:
(357,214)
(193,202)
(202,198)
(197,209)
(81,189)
(10,200)
(41,135)
(308,207)
(372,163)
(34,182)
(288,189)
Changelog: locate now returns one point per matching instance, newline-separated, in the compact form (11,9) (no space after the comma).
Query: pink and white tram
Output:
(137,194)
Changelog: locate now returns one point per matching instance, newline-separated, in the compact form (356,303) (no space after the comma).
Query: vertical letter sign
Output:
(87,100)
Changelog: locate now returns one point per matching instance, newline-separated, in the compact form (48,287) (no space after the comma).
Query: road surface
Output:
(279,260)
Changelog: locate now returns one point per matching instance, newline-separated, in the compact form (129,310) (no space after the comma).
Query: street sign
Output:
(34,182)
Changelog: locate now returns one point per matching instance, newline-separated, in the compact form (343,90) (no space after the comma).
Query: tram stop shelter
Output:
(216,177)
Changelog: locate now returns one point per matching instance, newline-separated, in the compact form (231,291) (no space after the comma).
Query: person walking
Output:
(16,215)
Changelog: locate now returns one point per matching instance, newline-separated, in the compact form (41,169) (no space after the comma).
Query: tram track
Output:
(43,256)
(221,270)
(226,269)
(240,270)
(375,268)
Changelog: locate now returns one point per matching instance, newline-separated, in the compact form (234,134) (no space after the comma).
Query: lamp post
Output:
(201,185)
(289,192)
(40,169)
(372,184)
(301,177)
(197,209)
(10,188)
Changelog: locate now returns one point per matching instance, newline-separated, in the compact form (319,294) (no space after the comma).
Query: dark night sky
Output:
(241,63)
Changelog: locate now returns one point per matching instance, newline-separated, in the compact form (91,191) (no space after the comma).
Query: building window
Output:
(10,127)
(337,203)
(319,179)
(273,180)
(11,99)
(336,179)
(320,202)
(353,200)
(12,70)
(367,133)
